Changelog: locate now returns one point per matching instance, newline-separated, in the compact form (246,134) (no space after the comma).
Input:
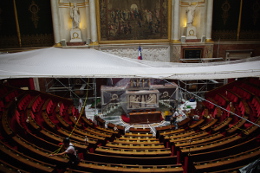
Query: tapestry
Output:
(225,19)
(250,20)
(8,34)
(133,19)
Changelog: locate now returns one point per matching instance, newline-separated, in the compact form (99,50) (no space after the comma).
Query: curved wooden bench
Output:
(49,124)
(137,141)
(197,123)
(54,138)
(135,146)
(253,128)
(209,124)
(236,126)
(227,162)
(31,163)
(180,134)
(222,124)
(135,152)
(225,152)
(149,160)
(37,152)
(139,130)
(8,167)
(101,167)
(190,137)
(138,134)
(200,140)
(218,144)
(138,137)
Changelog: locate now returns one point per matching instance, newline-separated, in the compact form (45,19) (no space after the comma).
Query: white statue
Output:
(75,15)
(190,13)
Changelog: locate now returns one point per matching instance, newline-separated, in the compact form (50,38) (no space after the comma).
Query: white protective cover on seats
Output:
(90,63)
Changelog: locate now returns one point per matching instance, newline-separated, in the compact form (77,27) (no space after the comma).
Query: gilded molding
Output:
(187,2)
(209,41)
(99,23)
(57,45)
(175,41)
(93,44)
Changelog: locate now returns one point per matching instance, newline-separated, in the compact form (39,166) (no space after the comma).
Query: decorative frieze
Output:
(148,53)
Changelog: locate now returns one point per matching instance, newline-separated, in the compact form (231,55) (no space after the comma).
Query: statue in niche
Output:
(190,13)
(75,15)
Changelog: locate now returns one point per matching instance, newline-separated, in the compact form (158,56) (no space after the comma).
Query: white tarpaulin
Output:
(91,63)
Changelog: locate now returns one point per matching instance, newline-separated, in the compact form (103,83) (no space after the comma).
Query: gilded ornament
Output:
(34,9)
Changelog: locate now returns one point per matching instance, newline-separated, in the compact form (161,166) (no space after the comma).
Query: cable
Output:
(81,112)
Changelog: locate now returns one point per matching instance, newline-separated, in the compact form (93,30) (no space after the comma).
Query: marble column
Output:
(176,21)
(55,22)
(93,22)
(88,21)
(209,20)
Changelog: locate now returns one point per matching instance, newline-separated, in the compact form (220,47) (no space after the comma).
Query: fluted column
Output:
(176,21)
(88,21)
(93,22)
(209,20)
(55,22)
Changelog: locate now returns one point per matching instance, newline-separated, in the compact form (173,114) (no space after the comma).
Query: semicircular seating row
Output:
(34,123)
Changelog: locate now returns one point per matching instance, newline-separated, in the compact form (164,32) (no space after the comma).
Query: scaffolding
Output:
(74,88)
(199,87)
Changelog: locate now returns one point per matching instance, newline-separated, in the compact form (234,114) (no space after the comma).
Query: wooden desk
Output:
(145,117)
(37,152)
(222,125)
(241,157)
(209,124)
(217,144)
(133,134)
(196,124)
(201,140)
(192,136)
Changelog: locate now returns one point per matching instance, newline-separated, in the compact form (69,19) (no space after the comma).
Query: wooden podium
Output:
(145,117)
